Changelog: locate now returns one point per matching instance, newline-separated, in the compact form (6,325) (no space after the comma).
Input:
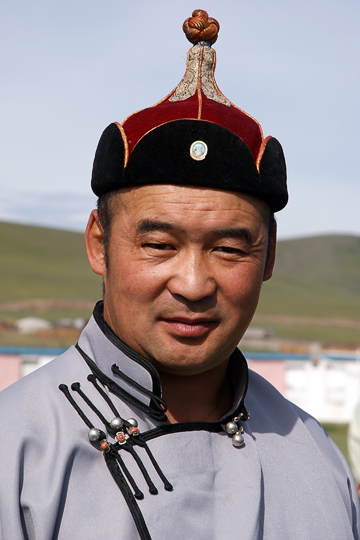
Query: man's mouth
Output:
(189,327)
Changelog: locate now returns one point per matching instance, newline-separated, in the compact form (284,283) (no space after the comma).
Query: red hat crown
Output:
(197,96)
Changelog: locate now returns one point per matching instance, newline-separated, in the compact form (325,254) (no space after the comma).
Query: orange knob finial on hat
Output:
(201,27)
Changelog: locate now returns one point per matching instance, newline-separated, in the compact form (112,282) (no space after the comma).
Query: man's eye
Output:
(159,247)
(229,250)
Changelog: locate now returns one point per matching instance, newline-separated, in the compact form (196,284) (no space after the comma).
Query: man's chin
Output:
(186,360)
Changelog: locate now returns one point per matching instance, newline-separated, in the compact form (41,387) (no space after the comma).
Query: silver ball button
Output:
(94,434)
(116,423)
(238,439)
(231,428)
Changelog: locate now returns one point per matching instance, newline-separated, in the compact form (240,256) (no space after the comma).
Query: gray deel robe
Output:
(287,482)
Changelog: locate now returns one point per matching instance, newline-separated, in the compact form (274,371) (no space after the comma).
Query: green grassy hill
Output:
(316,284)
(314,293)
(316,276)
(44,264)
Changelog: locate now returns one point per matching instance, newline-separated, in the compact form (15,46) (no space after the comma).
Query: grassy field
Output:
(40,263)
(317,276)
(328,332)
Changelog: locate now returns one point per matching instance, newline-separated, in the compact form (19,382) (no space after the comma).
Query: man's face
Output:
(184,272)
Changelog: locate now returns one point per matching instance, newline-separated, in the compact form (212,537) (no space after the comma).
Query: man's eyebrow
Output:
(148,225)
(239,233)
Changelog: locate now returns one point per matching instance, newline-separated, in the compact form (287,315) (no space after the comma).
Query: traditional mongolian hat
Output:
(194,136)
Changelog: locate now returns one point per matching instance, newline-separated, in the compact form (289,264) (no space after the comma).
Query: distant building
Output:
(325,384)
(16,362)
(254,332)
(31,325)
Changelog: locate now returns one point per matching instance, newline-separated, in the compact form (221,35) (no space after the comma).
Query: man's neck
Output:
(205,397)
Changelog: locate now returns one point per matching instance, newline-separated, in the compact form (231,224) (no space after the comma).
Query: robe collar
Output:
(136,376)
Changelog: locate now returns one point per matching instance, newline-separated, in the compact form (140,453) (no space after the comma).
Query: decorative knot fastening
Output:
(127,436)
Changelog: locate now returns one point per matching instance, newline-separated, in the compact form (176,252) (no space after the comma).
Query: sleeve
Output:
(337,466)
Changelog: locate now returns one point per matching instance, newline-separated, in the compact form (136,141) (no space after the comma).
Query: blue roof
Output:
(274,356)
(38,351)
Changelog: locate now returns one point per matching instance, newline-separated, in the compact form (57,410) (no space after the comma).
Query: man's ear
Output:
(94,244)
(270,259)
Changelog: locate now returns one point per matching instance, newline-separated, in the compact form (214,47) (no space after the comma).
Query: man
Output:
(142,430)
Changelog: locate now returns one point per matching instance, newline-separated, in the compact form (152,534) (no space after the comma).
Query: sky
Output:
(70,68)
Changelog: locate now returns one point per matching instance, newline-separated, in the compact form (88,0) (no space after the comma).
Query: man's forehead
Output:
(168,203)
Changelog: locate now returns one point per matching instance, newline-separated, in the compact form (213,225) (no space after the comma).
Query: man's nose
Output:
(192,277)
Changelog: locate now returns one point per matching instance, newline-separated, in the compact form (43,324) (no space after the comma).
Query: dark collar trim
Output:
(238,373)
(155,410)
(130,353)
(168,429)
